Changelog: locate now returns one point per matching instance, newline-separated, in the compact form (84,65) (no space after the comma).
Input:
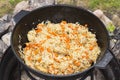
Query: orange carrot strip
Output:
(36,52)
(49,50)
(48,37)
(63,28)
(41,49)
(87,57)
(68,46)
(70,70)
(42,42)
(39,59)
(76,63)
(38,30)
(86,52)
(53,33)
(67,40)
(48,30)
(63,22)
(55,54)
(91,47)
(29,58)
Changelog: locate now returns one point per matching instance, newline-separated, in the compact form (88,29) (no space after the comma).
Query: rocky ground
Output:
(7,22)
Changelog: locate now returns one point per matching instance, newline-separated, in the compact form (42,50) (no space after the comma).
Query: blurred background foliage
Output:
(7,6)
(108,6)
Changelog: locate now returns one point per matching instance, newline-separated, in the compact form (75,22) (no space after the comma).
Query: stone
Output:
(117,33)
(116,20)
(116,49)
(6,38)
(49,2)
(6,17)
(11,27)
(4,26)
(39,3)
(107,22)
(3,47)
(99,13)
(23,5)
(112,43)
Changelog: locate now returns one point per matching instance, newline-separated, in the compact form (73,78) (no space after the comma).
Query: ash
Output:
(8,21)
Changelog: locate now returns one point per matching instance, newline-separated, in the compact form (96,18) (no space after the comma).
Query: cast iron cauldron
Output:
(57,13)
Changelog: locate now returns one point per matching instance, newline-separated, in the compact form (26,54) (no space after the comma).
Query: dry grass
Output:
(7,6)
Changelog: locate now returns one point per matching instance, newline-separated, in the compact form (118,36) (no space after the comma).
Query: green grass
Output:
(14,2)
(109,6)
(104,4)
(7,6)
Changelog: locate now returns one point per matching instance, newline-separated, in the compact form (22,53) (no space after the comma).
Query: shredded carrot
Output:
(53,33)
(76,63)
(70,70)
(55,54)
(84,34)
(49,50)
(67,39)
(75,32)
(83,56)
(64,46)
(36,51)
(64,35)
(29,58)
(86,52)
(71,27)
(63,22)
(80,44)
(87,57)
(38,30)
(41,49)
(26,48)
(76,28)
(63,28)
(48,30)
(78,49)
(34,45)
(48,37)
(91,47)
(68,46)
(39,59)
(42,42)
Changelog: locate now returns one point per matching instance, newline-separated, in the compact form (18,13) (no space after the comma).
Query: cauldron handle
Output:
(105,60)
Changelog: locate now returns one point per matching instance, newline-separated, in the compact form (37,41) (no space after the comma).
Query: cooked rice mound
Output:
(60,48)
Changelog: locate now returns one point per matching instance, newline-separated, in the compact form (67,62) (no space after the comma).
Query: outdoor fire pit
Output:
(11,68)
